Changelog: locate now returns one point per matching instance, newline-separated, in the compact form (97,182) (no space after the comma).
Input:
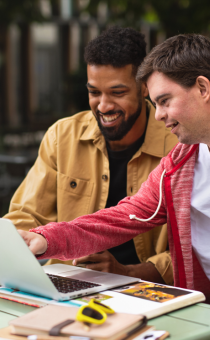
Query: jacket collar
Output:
(154,142)
(180,155)
(92,132)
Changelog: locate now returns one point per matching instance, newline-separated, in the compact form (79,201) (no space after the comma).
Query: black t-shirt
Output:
(118,160)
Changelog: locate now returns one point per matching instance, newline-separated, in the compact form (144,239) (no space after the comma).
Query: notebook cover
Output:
(42,320)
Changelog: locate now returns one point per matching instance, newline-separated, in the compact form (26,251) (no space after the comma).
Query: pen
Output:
(48,337)
(19,301)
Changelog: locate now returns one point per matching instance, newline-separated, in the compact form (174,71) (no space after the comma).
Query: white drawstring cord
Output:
(133,217)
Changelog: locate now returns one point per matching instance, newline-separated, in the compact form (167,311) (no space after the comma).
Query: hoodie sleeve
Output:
(108,227)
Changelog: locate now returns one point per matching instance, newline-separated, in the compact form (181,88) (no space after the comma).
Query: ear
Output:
(203,85)
(144,90)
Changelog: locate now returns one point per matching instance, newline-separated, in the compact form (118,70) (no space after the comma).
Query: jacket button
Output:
(73,184)
(104,177)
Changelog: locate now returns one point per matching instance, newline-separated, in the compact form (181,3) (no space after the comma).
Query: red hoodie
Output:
(110,227)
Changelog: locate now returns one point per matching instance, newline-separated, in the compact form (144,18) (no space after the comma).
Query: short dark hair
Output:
(117,47)
(182,58)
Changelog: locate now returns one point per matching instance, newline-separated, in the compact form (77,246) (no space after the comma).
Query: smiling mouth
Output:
(172,126)
(110,118)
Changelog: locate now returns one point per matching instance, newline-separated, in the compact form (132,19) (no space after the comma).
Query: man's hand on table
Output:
(36,242)
(105,262)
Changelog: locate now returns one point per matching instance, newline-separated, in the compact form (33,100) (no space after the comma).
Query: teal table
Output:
(190,323)
(10,310)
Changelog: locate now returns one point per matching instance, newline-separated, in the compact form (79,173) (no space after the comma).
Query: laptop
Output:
(19,269)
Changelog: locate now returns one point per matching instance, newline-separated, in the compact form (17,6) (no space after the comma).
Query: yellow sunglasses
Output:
(95,312)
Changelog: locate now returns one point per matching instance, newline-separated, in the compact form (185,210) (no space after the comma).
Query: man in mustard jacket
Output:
(95,158)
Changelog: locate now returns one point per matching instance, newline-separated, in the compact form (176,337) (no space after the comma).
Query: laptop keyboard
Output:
(68,285)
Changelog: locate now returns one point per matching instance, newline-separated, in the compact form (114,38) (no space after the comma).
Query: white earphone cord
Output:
(133,217)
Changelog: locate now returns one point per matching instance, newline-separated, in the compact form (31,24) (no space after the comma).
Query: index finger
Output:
(93,258)
(82,260)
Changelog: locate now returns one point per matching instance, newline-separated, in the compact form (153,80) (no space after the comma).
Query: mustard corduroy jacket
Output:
(70,178)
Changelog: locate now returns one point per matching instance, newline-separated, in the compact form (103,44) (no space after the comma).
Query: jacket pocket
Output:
(74,185)
(73,197)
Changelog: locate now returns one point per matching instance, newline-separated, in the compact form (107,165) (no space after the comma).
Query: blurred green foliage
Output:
(19,11)
(174,16)
(183,16)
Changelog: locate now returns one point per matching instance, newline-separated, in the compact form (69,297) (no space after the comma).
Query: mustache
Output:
(108,113)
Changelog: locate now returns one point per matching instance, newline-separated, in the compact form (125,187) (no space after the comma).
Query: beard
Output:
(116,133)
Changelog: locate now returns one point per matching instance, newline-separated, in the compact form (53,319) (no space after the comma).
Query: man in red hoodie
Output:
(177,73)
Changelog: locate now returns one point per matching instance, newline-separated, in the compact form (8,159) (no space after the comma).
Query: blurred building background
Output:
(42,73)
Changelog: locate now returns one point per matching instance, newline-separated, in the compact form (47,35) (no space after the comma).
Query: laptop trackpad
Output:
(89,276)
